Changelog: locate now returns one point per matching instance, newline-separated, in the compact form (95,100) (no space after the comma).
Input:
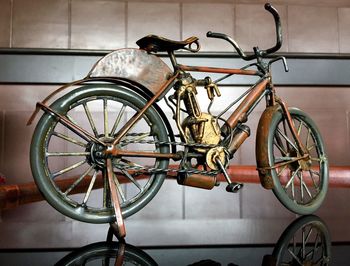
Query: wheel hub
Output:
(97,155)
(304,163)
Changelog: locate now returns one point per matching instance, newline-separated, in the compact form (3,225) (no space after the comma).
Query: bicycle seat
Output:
(154,43)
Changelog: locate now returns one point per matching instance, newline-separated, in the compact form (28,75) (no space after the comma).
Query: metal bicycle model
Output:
(109,130)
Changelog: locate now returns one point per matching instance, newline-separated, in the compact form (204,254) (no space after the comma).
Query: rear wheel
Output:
(300,182)
(68,167)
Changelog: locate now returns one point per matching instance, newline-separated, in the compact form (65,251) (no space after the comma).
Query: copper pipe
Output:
(11,196)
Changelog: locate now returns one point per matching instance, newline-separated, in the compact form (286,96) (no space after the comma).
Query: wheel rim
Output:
(298,179)
(66,155)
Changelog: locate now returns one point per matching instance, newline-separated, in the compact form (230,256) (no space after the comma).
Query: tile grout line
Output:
(11,24)
(181,21)
(338,28)
(69,24)
(126,24)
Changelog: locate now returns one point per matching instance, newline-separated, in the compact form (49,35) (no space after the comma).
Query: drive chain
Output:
(164,170)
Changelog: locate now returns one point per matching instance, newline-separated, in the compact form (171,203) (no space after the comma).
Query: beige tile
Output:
(255,27)
(259,203)
(16,148)
(33,212)
(211,204)
(199,18)
(153,18)
(336,204)
(313,29)
(98,25)
(40,24)
(344,29)
(22,97)
(167,203)
(333,3)
(5,23)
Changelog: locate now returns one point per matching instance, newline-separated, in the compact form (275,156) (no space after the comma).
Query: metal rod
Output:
(115,201)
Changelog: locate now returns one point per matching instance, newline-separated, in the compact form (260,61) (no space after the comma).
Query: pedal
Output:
(234,187)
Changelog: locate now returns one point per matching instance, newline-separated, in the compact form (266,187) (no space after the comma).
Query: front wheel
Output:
(68,168)
(300,182)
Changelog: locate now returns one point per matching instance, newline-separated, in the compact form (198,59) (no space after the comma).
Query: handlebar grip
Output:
(268,7)
(211,34)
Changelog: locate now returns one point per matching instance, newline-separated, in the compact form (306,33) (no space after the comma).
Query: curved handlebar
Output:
(257,53)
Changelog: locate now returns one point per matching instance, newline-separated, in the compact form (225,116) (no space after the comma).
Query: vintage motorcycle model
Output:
(109,130)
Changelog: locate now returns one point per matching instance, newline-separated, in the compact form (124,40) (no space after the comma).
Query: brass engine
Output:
(197,127)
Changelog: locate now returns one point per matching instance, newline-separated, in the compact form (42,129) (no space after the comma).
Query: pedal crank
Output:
(233,187)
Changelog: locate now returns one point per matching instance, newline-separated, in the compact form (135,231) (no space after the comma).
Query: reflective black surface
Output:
(306,241)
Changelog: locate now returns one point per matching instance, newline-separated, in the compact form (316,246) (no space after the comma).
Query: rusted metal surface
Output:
(133,64)
(240,114)
(197,180)
(12,196)
(219,70)
(261,147)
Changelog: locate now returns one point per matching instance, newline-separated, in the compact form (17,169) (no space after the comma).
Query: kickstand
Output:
(118,225)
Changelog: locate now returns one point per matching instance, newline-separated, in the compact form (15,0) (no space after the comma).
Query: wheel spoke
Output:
(281,171)
(91,121)
(91,185)
(287,139)
(76,182)
(135,139)
(119,188)
(313,180)
(117,121)
(311,147)
(70,168)
(308,137)
(132,179)
(283,152)
(295,257)
(69,139)
(300,175)
(292,178)
(299,127)
(307,190)
(105,117)
(49,154)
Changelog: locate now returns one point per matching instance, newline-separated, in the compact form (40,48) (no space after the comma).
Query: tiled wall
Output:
(308,26)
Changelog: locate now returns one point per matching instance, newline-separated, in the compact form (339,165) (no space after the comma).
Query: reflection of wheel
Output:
(59,153)
(107,253)
(300,182)
(305,242)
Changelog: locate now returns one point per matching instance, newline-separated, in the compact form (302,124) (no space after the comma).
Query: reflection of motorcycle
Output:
(306,241)
(107,253)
